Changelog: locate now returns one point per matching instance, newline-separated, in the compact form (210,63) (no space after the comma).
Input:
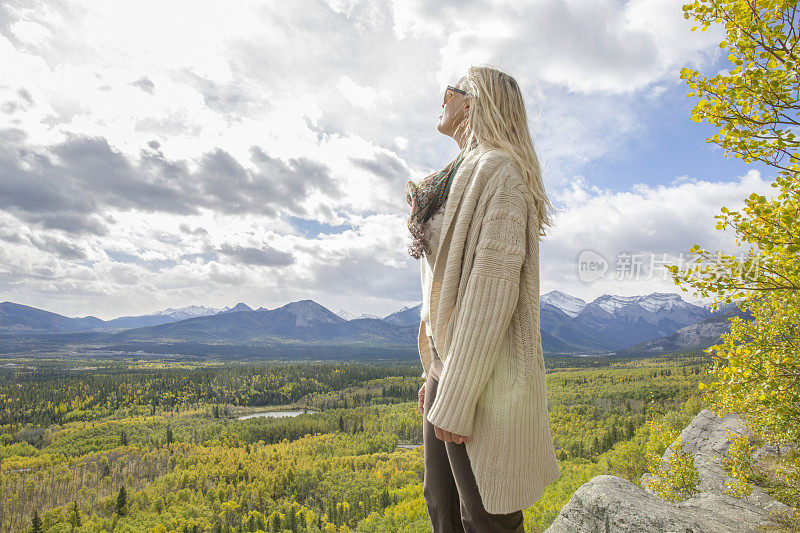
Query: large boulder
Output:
(609,503)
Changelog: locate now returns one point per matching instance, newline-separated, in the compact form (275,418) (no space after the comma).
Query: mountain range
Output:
(653,323)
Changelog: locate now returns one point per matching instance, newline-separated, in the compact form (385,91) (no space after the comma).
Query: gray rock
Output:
(609,503)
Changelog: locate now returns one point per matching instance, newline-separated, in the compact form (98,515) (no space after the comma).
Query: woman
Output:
(476,226)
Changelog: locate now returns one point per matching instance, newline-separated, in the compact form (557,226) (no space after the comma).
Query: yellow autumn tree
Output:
(756,105)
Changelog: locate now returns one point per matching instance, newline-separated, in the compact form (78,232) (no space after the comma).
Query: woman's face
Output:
(453,112)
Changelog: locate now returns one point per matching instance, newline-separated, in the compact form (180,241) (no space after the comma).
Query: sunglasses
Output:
(449,92)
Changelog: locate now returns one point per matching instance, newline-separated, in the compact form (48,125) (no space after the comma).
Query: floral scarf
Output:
(426,200)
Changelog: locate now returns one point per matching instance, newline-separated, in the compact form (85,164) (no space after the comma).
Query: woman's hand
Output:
(421,395)
(449,437)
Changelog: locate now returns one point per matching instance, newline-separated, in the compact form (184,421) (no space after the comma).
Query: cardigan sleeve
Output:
(489,300)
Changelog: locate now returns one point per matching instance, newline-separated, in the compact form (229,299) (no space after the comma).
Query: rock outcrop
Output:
(607,503)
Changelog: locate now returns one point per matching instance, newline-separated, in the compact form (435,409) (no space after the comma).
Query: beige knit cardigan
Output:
(484,312)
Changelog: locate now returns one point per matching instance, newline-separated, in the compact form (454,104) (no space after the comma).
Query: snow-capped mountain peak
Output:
(187,312)
(654,302)
(350,316)
(571,305)
(612,302)
(347,315)
(662,301)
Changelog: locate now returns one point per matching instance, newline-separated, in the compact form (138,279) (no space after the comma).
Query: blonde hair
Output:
(497,119)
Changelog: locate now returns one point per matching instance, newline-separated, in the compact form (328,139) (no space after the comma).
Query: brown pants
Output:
(449,487)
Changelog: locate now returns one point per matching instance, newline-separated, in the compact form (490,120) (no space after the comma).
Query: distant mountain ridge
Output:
(304,320)
(569,325)
(19,319)
(611,322)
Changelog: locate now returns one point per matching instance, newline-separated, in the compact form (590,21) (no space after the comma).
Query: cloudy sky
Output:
(164,154)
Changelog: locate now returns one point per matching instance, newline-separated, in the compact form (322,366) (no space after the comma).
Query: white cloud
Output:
(30,33)
(358,95)
(584,45)
(648,220)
